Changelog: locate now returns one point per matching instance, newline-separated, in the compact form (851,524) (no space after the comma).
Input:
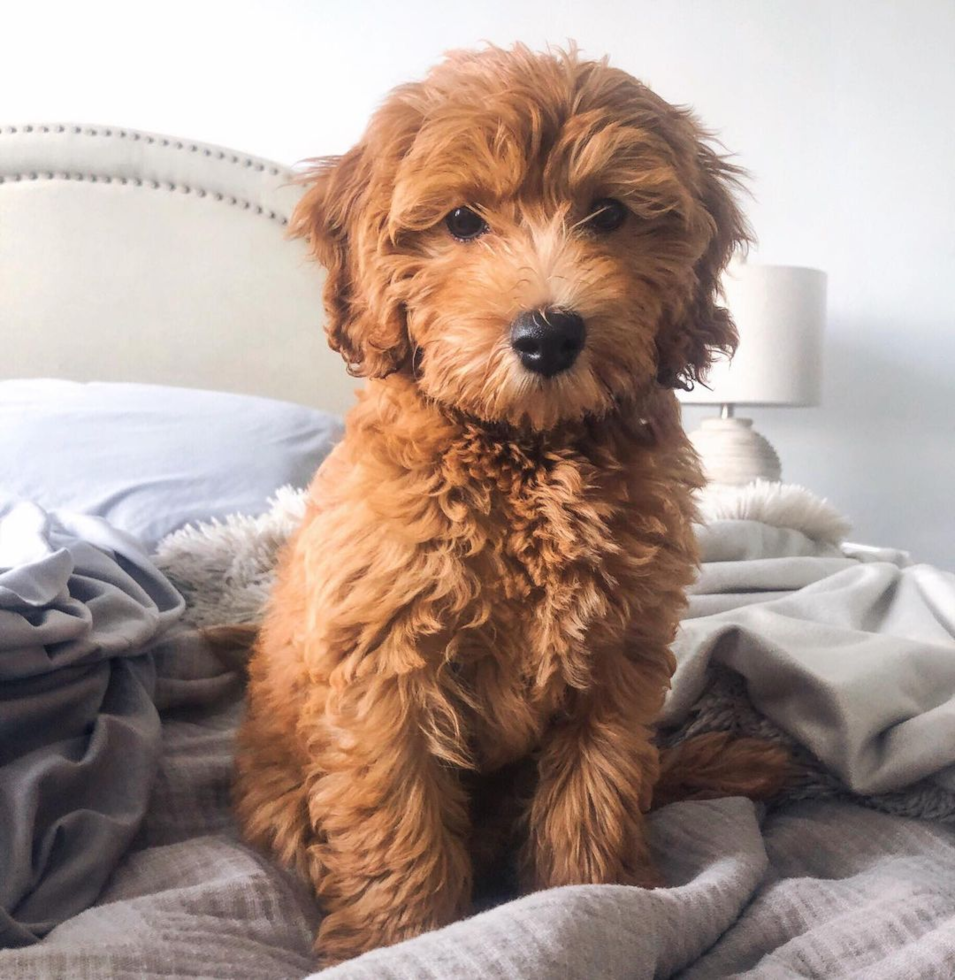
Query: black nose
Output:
(548,341)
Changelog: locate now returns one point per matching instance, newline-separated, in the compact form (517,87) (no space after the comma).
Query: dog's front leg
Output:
(596,770)
(390,859)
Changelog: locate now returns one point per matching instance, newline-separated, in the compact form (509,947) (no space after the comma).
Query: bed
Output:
(164,395)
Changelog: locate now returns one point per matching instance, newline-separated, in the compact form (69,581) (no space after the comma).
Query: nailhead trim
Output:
(150,185)
(207,151)
(259,165)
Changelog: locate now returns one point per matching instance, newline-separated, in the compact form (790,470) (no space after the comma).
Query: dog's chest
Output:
(549,542)
(540,539)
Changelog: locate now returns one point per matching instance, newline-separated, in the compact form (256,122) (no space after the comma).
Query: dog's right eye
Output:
(465,224)
(606,214)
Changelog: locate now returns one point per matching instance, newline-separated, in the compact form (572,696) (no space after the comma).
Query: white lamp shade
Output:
(780,312)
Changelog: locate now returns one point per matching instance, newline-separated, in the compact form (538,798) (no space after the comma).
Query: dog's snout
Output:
(548,341)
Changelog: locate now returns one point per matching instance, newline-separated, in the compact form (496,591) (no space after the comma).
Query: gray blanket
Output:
(79,734)
(845,654)
(850,653)
(817,889)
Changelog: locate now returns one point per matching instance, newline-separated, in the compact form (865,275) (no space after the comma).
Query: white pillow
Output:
(150,459)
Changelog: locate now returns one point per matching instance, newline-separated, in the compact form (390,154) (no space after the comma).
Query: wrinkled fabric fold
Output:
(80,603)
(851,652)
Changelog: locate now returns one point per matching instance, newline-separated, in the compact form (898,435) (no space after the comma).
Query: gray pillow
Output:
(150,459)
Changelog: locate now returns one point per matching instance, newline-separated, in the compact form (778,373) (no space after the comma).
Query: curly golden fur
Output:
(493,563)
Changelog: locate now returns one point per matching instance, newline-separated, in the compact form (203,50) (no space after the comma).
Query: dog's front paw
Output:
(342,937)
(347,933)
(592,862)
(337,940)
(644,876)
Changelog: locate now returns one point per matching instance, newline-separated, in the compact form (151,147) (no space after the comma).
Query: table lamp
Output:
(780,312)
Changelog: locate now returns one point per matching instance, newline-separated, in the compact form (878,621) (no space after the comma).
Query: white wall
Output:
(842,109)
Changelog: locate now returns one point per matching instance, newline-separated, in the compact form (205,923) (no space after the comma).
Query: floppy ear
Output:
(344,224)
(686,345)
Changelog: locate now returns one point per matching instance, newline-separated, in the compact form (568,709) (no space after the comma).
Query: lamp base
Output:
(732,453)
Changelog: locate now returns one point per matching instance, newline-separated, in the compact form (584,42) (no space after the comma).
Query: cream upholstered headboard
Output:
(129,256)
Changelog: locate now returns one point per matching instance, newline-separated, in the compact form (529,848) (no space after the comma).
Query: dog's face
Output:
(533,238)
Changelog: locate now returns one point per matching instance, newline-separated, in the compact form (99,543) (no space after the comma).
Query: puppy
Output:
(523,258)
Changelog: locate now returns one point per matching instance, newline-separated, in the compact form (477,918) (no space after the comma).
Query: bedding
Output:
(150,458)
(849,650)
(79,733)
(845,651)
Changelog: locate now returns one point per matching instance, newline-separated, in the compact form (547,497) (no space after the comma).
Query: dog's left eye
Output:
(606,214)
(465,224)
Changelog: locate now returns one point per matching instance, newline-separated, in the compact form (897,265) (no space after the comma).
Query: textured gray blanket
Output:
(846,654)
(79,734)
(819,889)
(850,653)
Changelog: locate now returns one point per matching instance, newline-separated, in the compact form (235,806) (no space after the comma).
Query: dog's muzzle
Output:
(548,341)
